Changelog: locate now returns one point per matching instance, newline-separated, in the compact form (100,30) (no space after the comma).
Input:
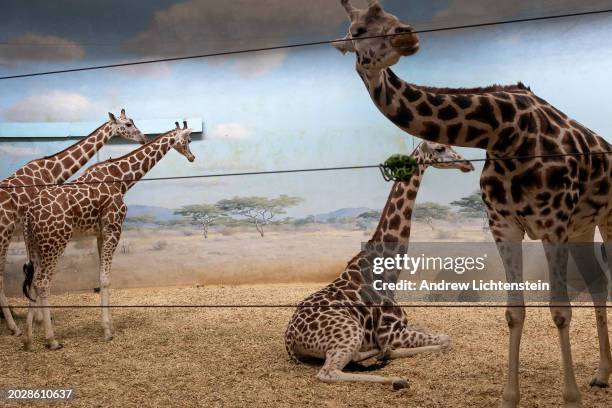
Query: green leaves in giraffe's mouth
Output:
(398,167)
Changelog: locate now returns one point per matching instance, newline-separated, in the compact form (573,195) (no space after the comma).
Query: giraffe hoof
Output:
(599,384)
(400,384)
(445,343)
(55,346)
(108,337)
(16,332)
(27,346)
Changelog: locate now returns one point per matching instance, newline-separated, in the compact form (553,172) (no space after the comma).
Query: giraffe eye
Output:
(128,124)
(360,31)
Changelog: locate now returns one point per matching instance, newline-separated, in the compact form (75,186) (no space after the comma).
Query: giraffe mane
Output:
(132,152)
(480,90)
(71,146)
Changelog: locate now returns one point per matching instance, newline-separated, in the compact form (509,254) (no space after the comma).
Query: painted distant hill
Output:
(160,213)
(342,213)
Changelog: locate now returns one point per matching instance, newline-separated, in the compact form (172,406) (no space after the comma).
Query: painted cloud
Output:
(32,47)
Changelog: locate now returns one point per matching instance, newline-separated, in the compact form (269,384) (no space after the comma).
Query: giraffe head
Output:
(125,128)
(183,139)
(441,157)
(394,39)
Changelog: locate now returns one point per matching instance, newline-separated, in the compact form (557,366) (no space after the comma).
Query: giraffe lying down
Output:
(348,321)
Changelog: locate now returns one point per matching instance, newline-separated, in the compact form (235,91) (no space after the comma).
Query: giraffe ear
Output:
(351,12)
(112,117)
(344,45)
(374,8)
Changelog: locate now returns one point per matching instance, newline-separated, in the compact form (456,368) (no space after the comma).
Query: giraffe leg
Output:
(113,217)
(38,313)
(5,238)
(561,312)
(509,239)
(406,342)
(360,356)
(45,264)
(42,294)
(602,376)
(338,357)
(27,337)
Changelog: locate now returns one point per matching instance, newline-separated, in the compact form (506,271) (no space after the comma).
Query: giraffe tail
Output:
(28,270)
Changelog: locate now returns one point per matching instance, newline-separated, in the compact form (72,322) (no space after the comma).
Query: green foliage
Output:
(202,214)
(259,210)
(399,167)
(370,215)
(141,219)
(471,206)
(429,211)
(304,221)
(198,210)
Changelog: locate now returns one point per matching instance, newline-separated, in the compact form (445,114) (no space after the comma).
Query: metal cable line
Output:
(299,45)
(307,170)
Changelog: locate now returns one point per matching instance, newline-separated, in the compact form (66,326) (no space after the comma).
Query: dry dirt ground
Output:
(235,357)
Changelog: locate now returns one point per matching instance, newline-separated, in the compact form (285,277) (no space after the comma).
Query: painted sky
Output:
(284,109)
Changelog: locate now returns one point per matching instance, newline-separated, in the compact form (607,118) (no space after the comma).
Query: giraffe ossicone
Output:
(93,205)
(551,180)
(350,321)
(17,190)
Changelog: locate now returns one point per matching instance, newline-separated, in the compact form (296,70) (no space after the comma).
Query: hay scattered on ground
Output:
(235,357)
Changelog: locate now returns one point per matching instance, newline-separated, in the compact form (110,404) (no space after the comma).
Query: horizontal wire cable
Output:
(307,170)
(287,306)
(299,45)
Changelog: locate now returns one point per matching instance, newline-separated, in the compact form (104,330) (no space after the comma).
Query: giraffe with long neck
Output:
(91,205)
(547,175)
(17,190)
(344,321)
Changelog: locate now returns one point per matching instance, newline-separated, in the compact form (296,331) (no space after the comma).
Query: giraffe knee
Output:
(104,282)
(324,375)
(561,317)
(515,317)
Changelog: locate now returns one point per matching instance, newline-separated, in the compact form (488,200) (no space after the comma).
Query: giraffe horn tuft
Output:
(184,124)
(348,7)
(177,125)
(123,113)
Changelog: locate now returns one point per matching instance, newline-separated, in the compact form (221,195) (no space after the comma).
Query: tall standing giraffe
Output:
(93,204)
(336,324)
(559,198)
(17,190)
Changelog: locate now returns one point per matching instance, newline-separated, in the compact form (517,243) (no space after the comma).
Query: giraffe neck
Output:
(396,219)
(67,162)
(469,120)
(133,166)
(393,231)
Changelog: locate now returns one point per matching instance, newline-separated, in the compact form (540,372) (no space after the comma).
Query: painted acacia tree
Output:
(203,215)
(472,206)
(258,210)
(430,211)
(365,219)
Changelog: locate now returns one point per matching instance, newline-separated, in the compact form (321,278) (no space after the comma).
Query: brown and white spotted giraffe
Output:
(558,199)
(336,324)
(93,204)
(56,169)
